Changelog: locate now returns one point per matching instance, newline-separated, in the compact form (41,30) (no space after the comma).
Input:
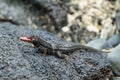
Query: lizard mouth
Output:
(25,39)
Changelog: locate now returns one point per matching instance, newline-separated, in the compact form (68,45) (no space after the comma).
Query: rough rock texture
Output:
(19,60)
(13,65)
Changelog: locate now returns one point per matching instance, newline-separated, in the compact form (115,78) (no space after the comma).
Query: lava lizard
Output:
(57,50)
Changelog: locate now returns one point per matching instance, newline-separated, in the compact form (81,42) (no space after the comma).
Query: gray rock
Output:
(99,44)
(19,60)
(114,40)
(114,58)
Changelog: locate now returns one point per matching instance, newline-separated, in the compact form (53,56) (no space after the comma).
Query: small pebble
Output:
(65,29)
(83,4)
(92,28)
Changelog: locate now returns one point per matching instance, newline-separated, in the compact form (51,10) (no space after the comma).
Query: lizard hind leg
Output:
(61,55)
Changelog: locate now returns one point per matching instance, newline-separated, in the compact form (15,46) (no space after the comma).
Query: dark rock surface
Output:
(13,65)
(19,60)
(57,11)
(17,12)
(35,12)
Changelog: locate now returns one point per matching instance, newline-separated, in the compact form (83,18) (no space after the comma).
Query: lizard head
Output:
(32,39)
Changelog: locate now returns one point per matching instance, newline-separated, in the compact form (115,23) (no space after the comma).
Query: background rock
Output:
(99,44)
(114,40)
(114,58)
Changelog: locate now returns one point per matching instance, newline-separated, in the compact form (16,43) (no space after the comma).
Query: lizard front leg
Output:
(43,50)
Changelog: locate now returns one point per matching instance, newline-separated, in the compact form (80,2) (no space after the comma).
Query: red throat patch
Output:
(25,39)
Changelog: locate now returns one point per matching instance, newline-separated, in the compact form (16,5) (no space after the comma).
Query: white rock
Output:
(99,3)
(65,29)
(83,4)
(108,29)
(92,28)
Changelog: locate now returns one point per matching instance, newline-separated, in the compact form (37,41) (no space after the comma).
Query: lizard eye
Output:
(33,39)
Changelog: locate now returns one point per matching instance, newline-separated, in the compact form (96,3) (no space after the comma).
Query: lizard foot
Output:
(62,56)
